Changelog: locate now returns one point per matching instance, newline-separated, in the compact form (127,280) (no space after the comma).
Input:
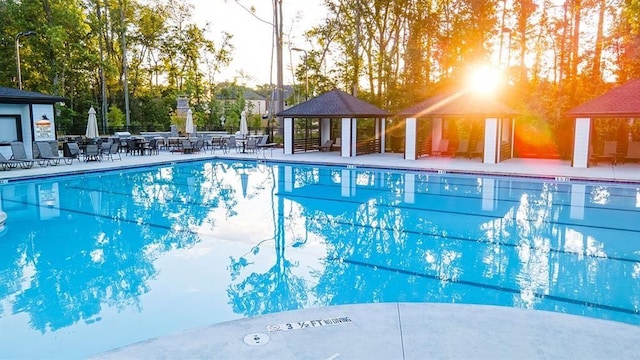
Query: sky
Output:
(252,38)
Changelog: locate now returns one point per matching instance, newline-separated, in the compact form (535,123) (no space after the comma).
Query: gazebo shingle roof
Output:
(622,101)
(459,103)
(334,104)
(11,95)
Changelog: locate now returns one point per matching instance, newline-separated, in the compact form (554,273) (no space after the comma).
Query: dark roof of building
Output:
(458,104)
(621,101)
(11,95)
(334,104)
(252,95)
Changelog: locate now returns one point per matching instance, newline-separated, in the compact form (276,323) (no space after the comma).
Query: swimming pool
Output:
(95,261)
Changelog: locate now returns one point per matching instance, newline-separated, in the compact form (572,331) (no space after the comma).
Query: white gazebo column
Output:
(347,148)
(288,136)
(381,133)
(581,138)
(410,137)
(325,130)
(491,140)
(437,129)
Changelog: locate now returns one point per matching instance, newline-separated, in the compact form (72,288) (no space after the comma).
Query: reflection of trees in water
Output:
(103,253)
(277,289)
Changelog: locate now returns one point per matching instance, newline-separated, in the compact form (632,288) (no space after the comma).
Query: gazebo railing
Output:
(371,146)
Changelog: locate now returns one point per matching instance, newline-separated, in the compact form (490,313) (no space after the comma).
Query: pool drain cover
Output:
(256,339)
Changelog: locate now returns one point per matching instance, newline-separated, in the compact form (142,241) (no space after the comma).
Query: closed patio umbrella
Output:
(188,126)
(244,129)
(92,125)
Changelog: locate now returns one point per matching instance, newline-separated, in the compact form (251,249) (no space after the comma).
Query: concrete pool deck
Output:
(390,330)
(555,169)
(398,331)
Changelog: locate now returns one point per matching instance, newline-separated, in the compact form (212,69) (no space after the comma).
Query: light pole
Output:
(306,72)
(26,33)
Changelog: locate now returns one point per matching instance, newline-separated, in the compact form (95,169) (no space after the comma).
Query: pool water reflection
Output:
(96,261)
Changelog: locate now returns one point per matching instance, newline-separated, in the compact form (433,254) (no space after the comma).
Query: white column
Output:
(288,136)
(410,137)
(437,128)
(325,130)
(490,141)
(345,146)
(381,125)
(581,143)
(354,136)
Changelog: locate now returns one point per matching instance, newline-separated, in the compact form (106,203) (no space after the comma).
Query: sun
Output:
(484,80)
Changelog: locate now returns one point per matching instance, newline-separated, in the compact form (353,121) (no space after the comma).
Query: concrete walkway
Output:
(398,331)
(553,169)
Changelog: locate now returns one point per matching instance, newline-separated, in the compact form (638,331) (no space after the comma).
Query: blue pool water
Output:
(96,261)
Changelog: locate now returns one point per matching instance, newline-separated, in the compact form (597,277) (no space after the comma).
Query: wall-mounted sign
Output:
(44,128)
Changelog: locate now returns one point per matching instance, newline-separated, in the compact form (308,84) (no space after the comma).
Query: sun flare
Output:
(484,80)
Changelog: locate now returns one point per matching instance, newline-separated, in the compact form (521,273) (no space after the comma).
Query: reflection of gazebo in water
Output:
(333,192)
(621,103)
(334,116)
(427,121)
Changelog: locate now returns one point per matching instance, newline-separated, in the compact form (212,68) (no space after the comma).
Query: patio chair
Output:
(114,149)
(92,153)
(231,143)
(20,154)
(217,143)
(199,145)
(152,147)
(251,145)
(46,153)
(609,152)
(187,147)
(463,148)
(327,145)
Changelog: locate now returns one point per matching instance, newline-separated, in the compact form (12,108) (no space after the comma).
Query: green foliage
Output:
(115,117)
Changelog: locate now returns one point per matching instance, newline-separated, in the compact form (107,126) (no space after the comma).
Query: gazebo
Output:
(318,127)
(26,116)
(498,123)
(622,102)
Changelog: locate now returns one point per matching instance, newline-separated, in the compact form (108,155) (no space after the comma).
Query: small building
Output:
(426,121)
(26,116)
(622,103)
(335,116)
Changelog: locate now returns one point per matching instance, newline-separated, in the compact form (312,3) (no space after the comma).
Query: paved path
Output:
(557,169)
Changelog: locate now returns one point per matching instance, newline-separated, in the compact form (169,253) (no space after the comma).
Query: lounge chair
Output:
(327,145)
(73,151)
(478,151)
(442,149)
(46,153)
(609,152)
(7,164)
(463,148)
(633,151)
(19,153)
